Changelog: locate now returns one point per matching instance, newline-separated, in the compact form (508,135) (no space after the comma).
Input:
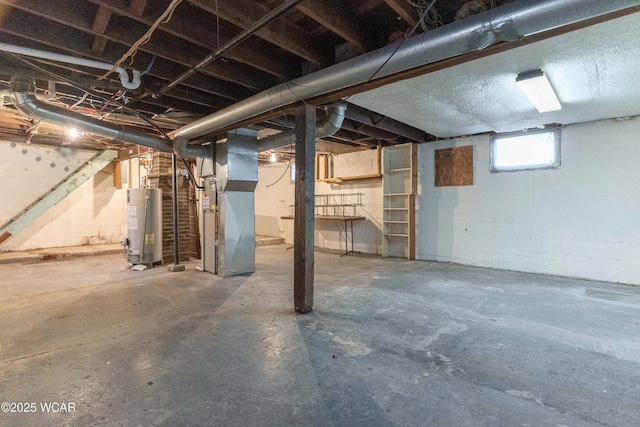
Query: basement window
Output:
(525,150)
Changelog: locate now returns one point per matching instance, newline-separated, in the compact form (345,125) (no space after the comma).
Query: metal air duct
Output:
(24,98)
(182,148)
(327,126)
(236,180)
(509,22)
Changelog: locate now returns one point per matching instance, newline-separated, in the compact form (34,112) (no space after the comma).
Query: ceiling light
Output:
(536,87)
(273,157)
(73,133)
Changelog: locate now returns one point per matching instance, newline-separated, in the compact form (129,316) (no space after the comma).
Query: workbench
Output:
(338,219)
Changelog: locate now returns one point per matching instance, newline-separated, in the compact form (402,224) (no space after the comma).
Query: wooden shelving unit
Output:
(399,183)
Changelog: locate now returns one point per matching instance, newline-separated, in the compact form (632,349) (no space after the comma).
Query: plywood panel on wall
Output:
(454,166)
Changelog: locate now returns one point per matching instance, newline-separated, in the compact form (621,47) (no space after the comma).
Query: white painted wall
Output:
(92,214)
(274,201)
(581,220)
(273,198)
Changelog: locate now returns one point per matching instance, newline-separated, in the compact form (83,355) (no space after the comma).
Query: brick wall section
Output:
(160,177)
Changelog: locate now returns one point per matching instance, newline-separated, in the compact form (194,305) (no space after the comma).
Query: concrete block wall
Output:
(356,163)
(273,200)
(581,220)
(367,235)
(93,214)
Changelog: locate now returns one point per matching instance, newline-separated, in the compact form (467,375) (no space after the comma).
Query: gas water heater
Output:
(144,226)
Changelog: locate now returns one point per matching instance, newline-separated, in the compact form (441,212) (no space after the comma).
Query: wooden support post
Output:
(303,243)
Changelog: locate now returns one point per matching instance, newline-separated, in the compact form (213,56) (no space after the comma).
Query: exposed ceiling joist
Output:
(371,131)
(38,33)
(369,118)
(367,6)
(404,9)
(57,30)
(284,34)
(137,7)
(303,39)
(200,29)
(335,15)
(99,25)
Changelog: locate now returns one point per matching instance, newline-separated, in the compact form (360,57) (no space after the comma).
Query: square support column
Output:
(303,239)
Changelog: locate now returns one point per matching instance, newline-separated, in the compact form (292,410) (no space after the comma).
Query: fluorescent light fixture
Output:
(536,87)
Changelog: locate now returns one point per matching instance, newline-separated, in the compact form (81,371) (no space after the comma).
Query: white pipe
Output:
(3,93)
(127,83)
(51,91)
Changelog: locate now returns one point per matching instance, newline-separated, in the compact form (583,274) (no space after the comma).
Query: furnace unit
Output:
(228,205)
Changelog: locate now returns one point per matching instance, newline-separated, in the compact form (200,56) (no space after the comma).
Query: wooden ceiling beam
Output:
(70,17)
(201,31)
(282,33)
(367,5)
(185,57)
(47,36)
(179,105)
(100,22)
(335,15)
(404,10)
(137,7)
(370,131)
(190,101)
(386,124)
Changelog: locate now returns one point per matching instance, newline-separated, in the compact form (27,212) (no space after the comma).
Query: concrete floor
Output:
(390,342)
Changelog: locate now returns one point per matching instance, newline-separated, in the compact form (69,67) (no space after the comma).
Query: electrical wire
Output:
(286,119)
(153,60)
(281,176)
(407,35)
(428,15)
(217,26)
(80,101)
(131,53)
(92,92)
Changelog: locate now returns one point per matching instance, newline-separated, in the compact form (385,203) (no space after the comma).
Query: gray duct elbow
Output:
(182,148)
(332,122)
(327,126)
